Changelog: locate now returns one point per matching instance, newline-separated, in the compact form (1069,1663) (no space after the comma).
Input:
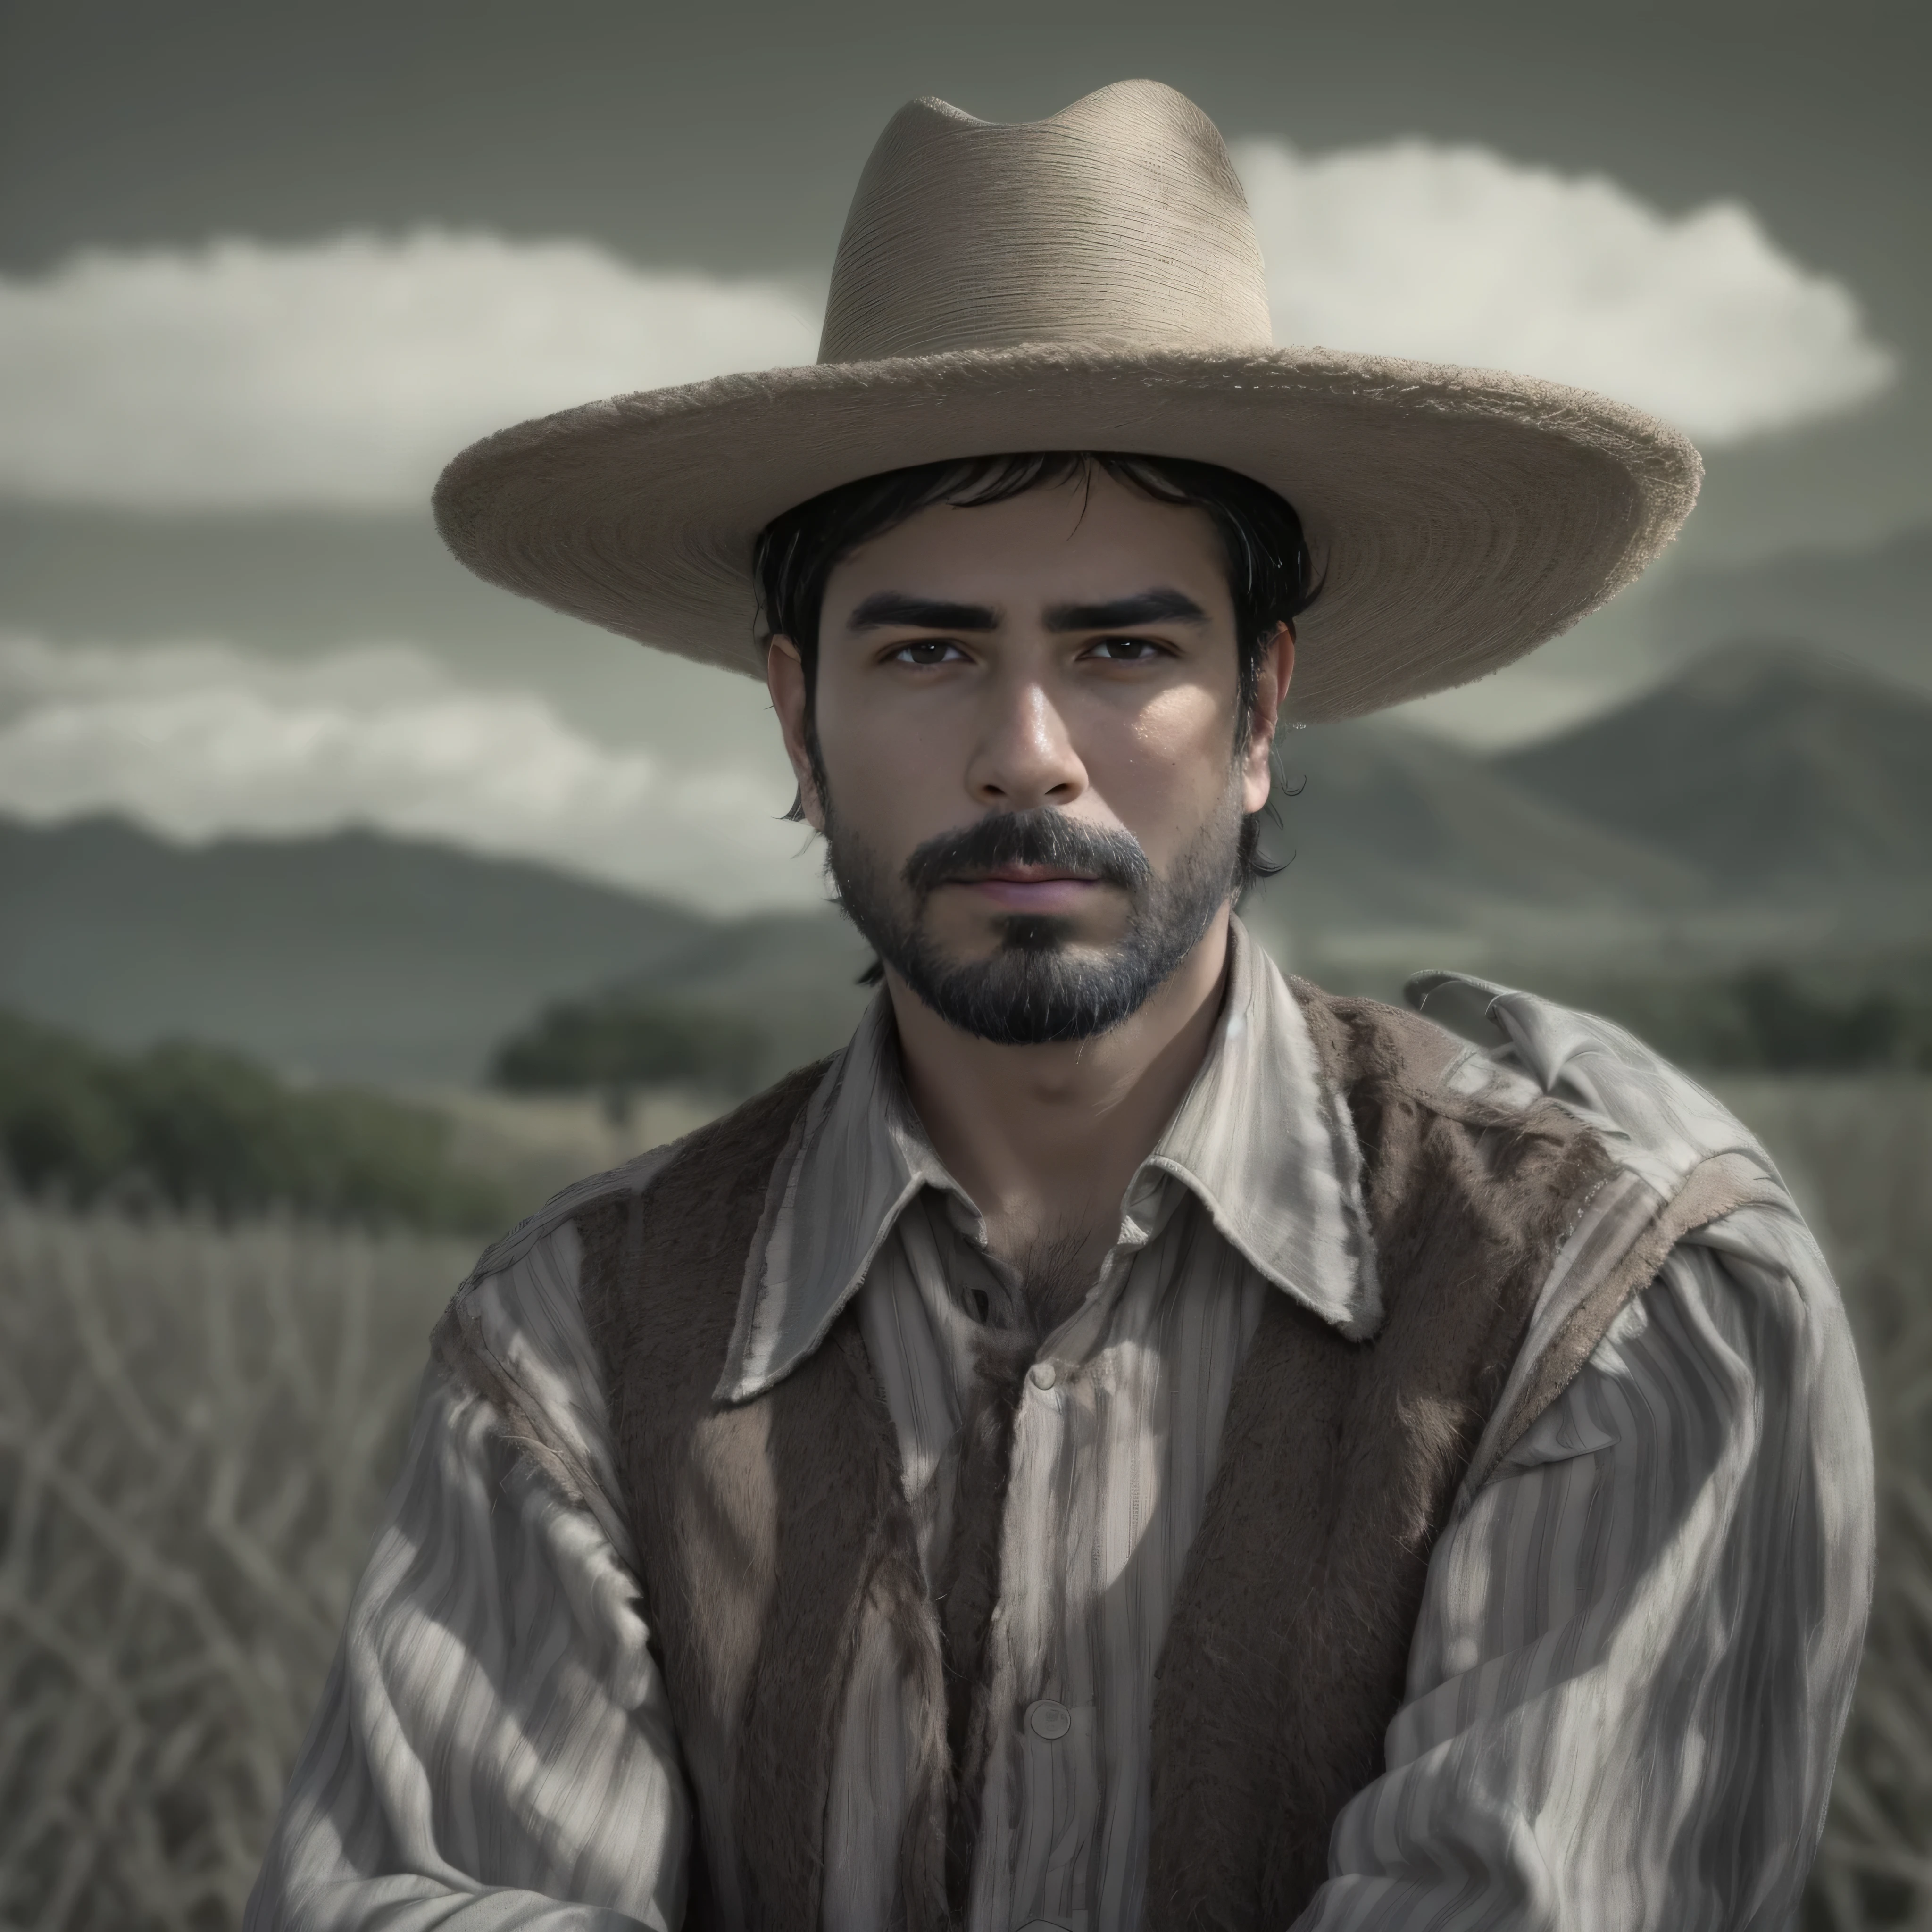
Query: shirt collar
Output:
(1261,1139)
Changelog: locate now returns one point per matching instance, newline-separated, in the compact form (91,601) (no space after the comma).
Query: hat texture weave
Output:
(1090,281)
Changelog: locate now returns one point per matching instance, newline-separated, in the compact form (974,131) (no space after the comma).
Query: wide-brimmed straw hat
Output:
(1091,282)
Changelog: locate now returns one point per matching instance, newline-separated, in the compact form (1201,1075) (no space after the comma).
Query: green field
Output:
(197,1422)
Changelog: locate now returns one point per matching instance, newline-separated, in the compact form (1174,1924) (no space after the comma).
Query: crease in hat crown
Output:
(1117,223)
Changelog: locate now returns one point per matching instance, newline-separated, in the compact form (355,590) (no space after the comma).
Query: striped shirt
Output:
(1625,1690)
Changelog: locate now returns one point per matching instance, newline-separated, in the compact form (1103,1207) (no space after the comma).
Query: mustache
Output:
(1042,838)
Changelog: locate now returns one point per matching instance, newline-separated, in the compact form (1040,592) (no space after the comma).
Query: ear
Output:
(784,678)
(1271,677)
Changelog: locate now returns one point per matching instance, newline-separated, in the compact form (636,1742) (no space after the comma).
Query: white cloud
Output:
(199,739)
(1455,254)
(341,374)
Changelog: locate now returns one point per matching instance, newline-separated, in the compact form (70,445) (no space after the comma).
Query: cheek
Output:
(1172,764)
(894,778)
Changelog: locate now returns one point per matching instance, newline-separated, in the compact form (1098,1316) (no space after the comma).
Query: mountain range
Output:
(1770,768)
(1872,606)
(357,955)
(1770,802)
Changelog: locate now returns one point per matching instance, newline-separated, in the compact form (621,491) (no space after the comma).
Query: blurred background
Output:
(348,908)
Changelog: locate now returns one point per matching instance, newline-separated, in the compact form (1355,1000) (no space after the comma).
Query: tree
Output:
(615,1043)
(199,1126)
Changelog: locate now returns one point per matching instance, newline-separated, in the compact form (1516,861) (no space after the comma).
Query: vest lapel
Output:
(1288,1650)
(761,1529)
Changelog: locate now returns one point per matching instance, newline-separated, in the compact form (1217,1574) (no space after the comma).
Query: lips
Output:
(1033,889)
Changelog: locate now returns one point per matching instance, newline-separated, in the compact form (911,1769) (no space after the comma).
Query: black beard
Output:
(1034,988)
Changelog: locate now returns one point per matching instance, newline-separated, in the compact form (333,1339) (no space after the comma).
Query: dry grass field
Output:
(196,1426)
(196,1430)
(1859,1154)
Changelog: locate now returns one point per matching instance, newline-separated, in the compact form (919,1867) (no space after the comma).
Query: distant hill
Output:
(1872,606)
(1386,823)
(1780,773)
(795,974)
(353,956)
(1403,850)
(1768,804)
(361,956)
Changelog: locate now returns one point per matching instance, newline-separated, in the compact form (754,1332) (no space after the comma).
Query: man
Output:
(1129,1442)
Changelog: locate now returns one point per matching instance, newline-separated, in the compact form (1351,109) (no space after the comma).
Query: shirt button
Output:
(1047,1720)
(1043,1375)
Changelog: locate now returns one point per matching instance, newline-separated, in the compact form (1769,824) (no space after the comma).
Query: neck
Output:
(1046,1138)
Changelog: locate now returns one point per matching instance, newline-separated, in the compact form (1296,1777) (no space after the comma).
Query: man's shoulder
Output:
(515,1335)
(1518,1048)
(1465,1045)
(1665,1158)
(1684,1169)
(518,1333)
(617,1184)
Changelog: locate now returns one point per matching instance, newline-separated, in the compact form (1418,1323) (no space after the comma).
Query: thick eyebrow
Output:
(1149,607)
(894,609)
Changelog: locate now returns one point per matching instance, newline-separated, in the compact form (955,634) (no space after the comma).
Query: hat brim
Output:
(1458,518)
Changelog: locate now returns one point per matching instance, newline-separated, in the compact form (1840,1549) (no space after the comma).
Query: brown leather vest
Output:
(761,1528)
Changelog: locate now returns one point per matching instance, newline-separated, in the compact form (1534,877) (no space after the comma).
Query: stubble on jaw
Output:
(1041,984)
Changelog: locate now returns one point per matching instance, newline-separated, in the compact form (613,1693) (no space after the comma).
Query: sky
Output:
(263,269)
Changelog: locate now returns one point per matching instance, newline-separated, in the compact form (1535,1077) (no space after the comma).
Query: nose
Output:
(1024,756)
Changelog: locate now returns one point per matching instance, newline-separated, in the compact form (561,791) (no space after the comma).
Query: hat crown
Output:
(1117,223)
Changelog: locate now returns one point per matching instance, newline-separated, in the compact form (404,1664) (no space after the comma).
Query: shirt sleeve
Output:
(1637,1648)
(493,1747)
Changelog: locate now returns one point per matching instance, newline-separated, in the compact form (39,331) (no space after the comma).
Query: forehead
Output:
(1064,542)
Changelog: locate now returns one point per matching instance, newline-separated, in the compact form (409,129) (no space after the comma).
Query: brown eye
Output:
(927,651)
(1127,650)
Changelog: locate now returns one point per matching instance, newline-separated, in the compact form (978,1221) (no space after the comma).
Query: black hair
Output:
(1270,576)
